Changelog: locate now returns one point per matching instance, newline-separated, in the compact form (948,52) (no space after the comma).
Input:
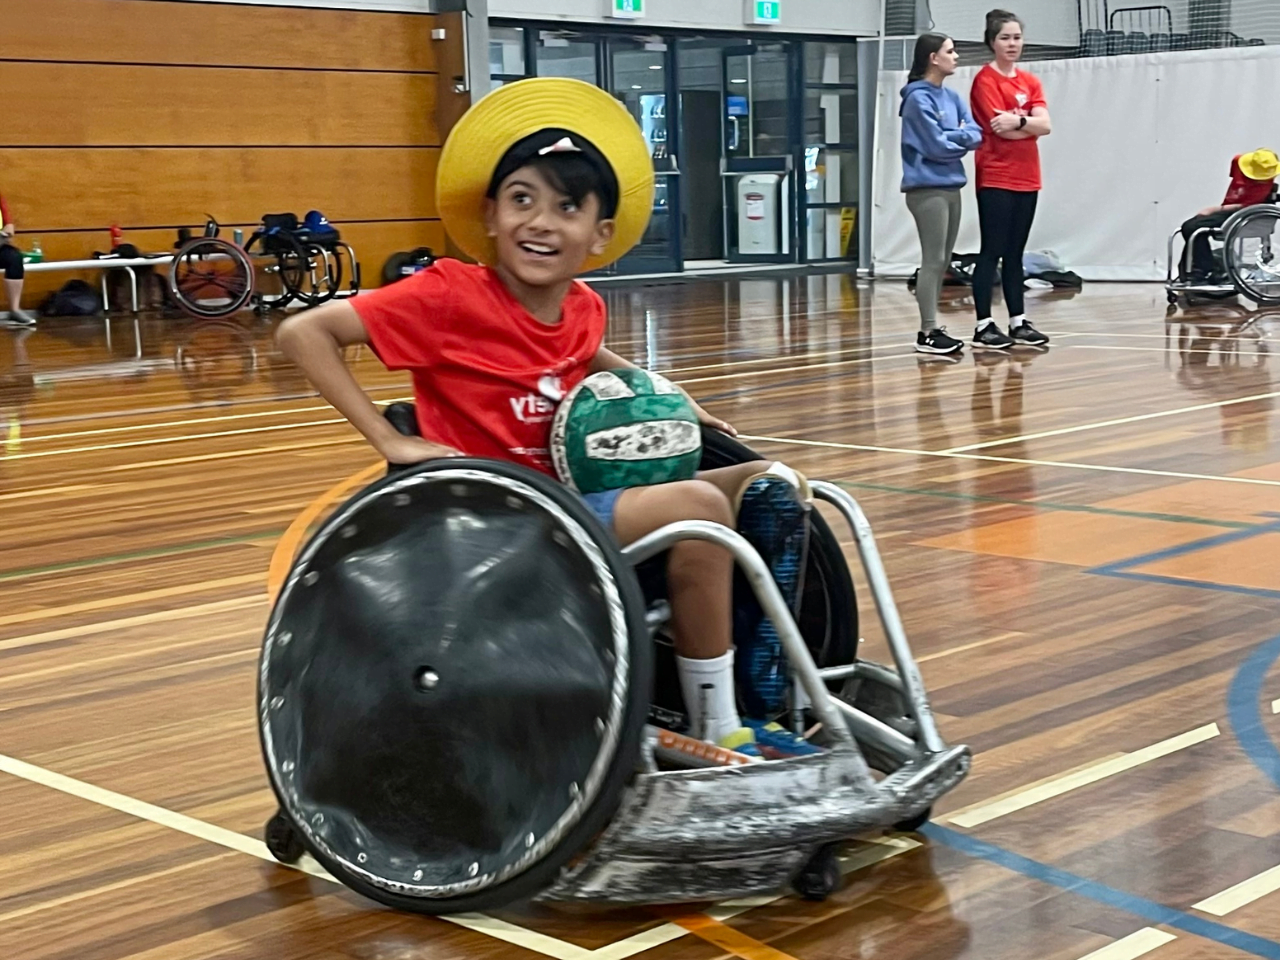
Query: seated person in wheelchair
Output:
(1252,181)
(550,179)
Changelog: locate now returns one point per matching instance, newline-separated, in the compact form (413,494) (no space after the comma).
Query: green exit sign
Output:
(626,9)
(768,12)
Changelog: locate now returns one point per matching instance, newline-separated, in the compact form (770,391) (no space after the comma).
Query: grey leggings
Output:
(937,214)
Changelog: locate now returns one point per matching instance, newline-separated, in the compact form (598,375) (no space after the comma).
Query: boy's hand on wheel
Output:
(405,450)
(715,423)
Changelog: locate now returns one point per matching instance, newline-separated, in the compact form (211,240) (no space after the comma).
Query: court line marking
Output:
(1275,706)
(1134,945)
(1101,893)
(808,366)
(107,626)
(879,849)
(973,816)
(986,458)
(732,941)
(1119,421)
(969,646)
(1244,892)
(125,599)
(109,888)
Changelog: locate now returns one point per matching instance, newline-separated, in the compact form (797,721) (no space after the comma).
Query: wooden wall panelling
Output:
(90,105)
(91,188)
(216,34)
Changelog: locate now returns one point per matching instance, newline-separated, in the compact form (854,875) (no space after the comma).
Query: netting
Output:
(1097,28)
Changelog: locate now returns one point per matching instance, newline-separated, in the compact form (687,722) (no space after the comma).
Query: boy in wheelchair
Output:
(1252,181)
(543,181)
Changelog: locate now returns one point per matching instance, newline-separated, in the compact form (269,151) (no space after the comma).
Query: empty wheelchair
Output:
(458,707)
(305,258)
(1248,260)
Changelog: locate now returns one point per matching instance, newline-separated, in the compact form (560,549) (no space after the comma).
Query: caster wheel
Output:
(282,840)
(1173,299)
(912,824)
(821,876)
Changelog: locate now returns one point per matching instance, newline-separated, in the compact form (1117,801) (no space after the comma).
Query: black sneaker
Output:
(937,341)
(1026,333)
(990,337)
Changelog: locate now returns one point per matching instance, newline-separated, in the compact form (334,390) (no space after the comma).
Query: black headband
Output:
(555,140)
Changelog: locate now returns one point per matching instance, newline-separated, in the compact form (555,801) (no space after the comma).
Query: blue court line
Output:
(1101,893)
(1195,546)
(1244,709)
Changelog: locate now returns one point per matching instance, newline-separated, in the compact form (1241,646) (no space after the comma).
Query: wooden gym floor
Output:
(1082,544)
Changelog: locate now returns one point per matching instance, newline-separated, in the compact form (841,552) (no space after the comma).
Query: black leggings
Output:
(1005,218)
(11,262)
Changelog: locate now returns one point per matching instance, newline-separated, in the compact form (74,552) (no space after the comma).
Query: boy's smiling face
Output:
(541,236)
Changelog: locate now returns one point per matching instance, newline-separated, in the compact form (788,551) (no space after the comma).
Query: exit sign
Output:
(767,12)
(626,9)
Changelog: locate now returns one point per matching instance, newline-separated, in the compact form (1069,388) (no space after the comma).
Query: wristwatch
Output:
(1022,122)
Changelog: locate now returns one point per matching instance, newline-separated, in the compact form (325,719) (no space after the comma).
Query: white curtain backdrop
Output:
(1139,144)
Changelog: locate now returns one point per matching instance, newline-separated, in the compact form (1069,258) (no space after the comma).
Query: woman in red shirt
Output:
(1009,105)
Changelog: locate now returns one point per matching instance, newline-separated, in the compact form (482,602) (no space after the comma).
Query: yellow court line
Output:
(1120,421)
(973,816)
(1244,892)
(1134,945)
(109,887)
(133,427)
(730,940)
(125,599)
(107,626)
(229,454)
(969,646)
(158,441)
(806,366)
(986,458)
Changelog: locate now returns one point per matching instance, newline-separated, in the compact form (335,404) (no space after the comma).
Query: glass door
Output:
(758,152)
(829,201)
(639,74)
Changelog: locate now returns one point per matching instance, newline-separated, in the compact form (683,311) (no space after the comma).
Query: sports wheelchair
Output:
(1250,260)
(212,278)
(458,707)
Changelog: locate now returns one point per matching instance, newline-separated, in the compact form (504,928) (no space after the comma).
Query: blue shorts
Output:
(603,504)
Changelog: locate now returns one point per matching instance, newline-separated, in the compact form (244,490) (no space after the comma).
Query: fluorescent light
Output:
(636,86)
(655,66)
(737,81)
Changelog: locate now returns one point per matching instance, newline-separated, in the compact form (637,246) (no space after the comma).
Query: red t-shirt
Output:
(1244,191)
(1007,164)
(487,376)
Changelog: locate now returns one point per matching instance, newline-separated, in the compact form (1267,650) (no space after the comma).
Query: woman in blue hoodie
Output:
(937,131)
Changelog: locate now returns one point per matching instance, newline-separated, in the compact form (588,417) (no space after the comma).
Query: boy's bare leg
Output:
(700,583)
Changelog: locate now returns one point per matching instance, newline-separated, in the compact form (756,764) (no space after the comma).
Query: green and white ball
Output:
(625,428)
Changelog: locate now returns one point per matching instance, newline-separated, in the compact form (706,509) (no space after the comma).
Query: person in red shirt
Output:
(14,271)
(1253,179)
(494,347)
(1008,104)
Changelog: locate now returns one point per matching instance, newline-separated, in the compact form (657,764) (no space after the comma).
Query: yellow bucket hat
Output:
(503,118)
(1260,165)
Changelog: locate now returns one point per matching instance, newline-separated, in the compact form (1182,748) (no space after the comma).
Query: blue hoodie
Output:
(937,131)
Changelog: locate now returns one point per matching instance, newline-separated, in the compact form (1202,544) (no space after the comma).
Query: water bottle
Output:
(238,236)
(117,235)
(37,252)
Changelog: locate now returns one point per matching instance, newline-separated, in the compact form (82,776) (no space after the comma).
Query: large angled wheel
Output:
(453,686)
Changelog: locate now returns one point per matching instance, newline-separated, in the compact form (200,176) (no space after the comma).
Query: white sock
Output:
(983,323)
(1018,321)
(709,696)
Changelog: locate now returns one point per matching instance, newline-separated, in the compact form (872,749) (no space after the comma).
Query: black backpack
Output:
(406,264)
(75,298)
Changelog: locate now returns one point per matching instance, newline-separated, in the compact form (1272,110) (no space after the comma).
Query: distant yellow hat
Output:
(503,118)
(1260,165)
